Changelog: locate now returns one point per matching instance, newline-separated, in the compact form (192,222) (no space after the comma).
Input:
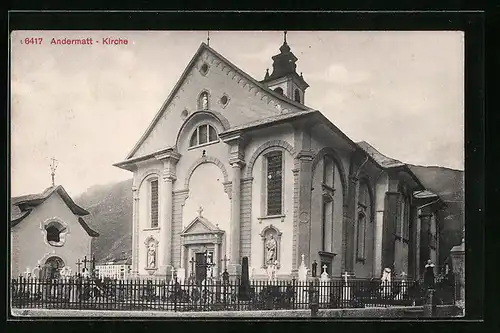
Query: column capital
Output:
(168,176)
(236,163)
(169,156)
(305,155)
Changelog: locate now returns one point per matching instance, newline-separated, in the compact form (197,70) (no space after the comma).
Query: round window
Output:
(224,99)
(204,69)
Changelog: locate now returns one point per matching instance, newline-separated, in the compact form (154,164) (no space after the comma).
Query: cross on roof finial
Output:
(208,38)
(53,167)
(200,210)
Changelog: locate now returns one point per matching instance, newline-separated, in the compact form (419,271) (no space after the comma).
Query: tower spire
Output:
(284,37)
(208,38)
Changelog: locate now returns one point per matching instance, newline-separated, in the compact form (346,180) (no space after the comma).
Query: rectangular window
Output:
(361,234)
(203,134)
(154,204)
(274,183)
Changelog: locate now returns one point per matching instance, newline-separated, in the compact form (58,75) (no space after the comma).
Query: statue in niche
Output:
(151,255)
(204,101)
(271,248)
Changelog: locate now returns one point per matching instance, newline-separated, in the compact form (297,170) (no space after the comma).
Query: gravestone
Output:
(324,279)
(346,290)
(314,268)
(429,281)
(303,271)
(245,281)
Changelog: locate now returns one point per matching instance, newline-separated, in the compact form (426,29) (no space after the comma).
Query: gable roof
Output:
(21,206)
(204,222)
(186,71)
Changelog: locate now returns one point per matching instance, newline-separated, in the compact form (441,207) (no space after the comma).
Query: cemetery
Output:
(82,290)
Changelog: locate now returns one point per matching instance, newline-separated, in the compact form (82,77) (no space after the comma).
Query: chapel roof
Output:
(21,206)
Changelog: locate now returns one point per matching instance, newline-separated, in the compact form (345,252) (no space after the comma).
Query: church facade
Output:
(48,233)
(232,167)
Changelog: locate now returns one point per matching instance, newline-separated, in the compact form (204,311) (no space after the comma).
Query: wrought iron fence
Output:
(80,293)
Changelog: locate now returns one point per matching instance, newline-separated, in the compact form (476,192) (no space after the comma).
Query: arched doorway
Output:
(52,267)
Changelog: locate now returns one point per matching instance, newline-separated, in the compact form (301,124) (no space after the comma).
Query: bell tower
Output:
(284,78)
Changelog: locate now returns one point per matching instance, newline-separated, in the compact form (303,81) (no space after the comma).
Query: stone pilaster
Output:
(348,230)
(169,159)
(305,158)
(235,216)
(391,216)
(425,241)
(237,160)
(135,231)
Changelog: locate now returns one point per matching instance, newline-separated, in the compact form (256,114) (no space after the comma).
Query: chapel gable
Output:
(212,83)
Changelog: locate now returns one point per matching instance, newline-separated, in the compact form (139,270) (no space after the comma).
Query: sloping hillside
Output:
(110,208)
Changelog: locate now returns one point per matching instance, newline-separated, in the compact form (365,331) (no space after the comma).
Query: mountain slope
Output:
(110,208)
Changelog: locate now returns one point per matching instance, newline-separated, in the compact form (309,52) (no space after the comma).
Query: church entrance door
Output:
(201,266)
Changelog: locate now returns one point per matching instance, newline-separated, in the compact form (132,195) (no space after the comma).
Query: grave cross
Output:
(78,264)
(403,275)
(345,276)
(192,261)
(85,261)
(225,260)
(324,268)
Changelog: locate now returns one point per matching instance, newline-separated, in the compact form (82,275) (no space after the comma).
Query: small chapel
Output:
(234,167)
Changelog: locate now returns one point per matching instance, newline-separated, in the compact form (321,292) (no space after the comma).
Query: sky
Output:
(87,105)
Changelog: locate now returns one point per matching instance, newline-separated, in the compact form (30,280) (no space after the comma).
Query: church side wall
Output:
(252,200)
(29,246)
(317,144)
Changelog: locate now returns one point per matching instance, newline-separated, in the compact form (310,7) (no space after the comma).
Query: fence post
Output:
(313,299)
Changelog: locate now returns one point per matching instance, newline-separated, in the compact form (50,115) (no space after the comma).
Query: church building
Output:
(48,232)
(233,167)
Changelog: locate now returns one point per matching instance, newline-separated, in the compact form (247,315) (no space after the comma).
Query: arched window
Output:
(279,90)
(52,267)
(297,95)
(364,215)
(55,233)
(202,135)
(203,101)
(328,188)
(153,195)
(329,172)
(403,222)
(327,221)
(274,183)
